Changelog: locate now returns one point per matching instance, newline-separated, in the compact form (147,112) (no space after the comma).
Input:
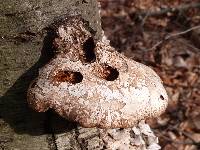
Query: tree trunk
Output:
(25,46)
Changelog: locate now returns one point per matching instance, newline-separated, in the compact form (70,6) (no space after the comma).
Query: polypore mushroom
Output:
(90,83)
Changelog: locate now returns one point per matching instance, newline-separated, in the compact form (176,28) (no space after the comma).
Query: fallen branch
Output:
(174,35)
(167,10)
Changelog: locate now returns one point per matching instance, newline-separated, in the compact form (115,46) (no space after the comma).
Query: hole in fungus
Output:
(107,72)
(104,147)
(68,76)
(162,98)
(88,50)
(33,84)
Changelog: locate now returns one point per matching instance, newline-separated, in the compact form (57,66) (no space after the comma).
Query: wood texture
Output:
(25,46)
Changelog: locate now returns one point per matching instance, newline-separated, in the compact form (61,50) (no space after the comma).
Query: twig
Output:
(167,10)
(174,35)
(193,48)
(145,18)
(184,32)
(143,15)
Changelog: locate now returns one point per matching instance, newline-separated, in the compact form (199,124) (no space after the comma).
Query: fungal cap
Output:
(97,86)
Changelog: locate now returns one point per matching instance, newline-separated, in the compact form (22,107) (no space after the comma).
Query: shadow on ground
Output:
(14,108)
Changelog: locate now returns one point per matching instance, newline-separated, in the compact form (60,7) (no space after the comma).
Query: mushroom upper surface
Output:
(90,83)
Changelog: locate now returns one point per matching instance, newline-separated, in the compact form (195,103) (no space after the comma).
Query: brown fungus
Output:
(92,84)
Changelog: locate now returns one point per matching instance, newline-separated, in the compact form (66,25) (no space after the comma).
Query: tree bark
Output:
(25,46)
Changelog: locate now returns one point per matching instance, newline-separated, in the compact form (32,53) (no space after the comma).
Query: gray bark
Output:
(25,45)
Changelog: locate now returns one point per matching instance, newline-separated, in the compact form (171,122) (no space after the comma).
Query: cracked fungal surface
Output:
(92,84)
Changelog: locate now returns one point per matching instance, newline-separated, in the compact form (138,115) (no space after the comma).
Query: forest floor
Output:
(164,35)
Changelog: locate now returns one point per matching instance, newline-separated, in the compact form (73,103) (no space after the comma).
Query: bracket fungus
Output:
(90,83)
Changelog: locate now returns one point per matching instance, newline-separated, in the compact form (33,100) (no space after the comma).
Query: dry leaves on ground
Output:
(135,28)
